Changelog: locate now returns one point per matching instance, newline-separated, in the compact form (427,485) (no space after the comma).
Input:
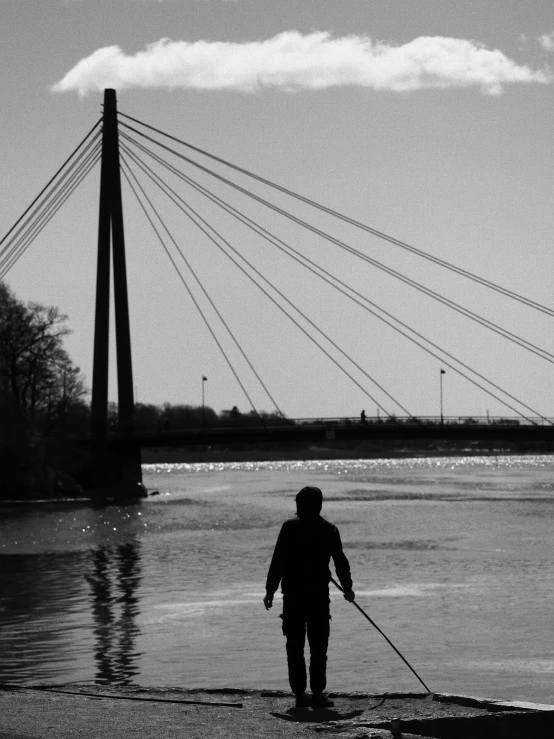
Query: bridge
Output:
(127,147)
(337,430)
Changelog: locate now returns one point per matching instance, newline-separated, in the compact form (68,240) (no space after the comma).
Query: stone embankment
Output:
(94,712)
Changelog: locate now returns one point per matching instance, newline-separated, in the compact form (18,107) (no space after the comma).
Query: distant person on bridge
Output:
(300,563)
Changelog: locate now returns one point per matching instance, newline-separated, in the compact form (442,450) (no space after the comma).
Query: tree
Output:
(41,394)
(37,378)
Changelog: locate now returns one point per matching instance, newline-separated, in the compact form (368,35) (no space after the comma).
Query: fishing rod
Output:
(46,689)
(382,634)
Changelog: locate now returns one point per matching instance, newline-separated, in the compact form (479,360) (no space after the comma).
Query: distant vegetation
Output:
(167,417)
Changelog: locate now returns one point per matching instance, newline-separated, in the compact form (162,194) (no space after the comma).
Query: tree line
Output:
(159,418)
(42,393)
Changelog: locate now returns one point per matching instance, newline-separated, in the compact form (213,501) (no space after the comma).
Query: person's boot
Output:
(302,700)
(320,700)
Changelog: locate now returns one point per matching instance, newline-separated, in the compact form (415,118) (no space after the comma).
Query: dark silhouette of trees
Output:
(36,374)
(167,417)
(41,391)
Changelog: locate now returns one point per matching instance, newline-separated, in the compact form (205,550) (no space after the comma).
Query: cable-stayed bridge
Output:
(155,166)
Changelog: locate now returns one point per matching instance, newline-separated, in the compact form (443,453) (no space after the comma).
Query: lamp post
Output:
(442,372)
(204,379)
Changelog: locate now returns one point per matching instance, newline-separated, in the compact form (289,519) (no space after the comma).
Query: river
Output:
(452,558)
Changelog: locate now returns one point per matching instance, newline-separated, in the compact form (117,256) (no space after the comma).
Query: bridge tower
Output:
(116,463)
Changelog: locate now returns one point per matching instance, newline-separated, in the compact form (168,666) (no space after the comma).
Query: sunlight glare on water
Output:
(452,557)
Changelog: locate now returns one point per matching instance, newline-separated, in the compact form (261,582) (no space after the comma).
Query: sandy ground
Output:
(27,713)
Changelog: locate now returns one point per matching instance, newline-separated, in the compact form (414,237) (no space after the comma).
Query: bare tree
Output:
(37,377)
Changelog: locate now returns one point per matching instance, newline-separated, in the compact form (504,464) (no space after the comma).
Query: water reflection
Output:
(38,595)
(59,608)
(115,606)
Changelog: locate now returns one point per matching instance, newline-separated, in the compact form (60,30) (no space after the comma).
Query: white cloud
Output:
(292,61)
(547,41)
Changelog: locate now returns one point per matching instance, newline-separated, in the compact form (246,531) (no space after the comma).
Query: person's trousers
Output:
(306,614)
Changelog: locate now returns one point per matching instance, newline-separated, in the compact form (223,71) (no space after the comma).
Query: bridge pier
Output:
(115,466)
(115,472)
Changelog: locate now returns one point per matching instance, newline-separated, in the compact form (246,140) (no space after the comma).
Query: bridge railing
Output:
(414,422)
(428,420)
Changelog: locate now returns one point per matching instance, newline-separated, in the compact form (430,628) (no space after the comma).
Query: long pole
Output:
(204,379)
(442,372)
(383,635)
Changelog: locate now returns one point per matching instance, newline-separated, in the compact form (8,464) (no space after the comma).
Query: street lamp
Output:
(442,372)
(204,379)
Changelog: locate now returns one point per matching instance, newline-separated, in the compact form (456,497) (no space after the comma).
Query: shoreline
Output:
(98,711)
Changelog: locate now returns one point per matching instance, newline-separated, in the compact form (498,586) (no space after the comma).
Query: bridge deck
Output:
(314,432)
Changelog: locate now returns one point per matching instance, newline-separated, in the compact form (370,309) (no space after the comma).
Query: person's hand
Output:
(349,595)
(268,601)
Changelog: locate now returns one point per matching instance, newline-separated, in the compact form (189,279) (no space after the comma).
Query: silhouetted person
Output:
(362,417)
(300,563)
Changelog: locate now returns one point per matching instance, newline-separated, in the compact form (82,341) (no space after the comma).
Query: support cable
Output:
(29,221)
(258,229)
(198,308)
(51,180)
(273,239)
(306,333)
(198,281)
(358,224)
(320,347)
(543,353)
(50,210)
(11,258)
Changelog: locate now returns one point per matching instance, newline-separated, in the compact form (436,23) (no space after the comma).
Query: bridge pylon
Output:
(116,467)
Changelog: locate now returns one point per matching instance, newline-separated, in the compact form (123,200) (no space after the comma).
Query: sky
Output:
(428,120)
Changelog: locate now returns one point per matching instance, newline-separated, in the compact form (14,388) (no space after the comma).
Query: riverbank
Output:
(97,712)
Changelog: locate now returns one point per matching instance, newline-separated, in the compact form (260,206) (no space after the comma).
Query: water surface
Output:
(452,557)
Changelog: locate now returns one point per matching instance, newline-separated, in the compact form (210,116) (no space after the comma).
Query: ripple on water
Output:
(407,546)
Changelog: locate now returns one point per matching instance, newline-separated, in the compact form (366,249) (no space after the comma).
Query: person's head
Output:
(308,502)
